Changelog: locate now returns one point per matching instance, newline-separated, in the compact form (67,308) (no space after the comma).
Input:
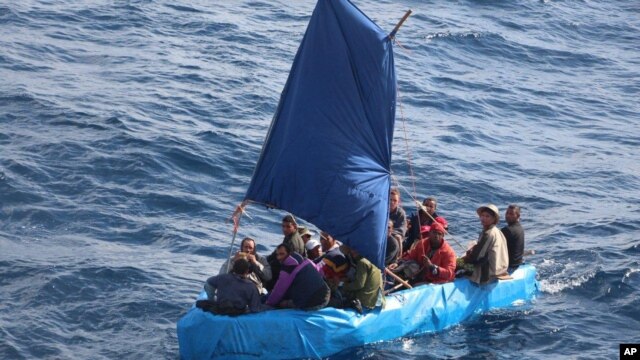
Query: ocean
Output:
(129,131)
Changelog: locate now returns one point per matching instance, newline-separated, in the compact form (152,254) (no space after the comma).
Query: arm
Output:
(475,257)
(416,254)
(447,268)
(213,281)
(254,302)
(403,223)
(359,280)
(262,268)
(280,289)
(392,249)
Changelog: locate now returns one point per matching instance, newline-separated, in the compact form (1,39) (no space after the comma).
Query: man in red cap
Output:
(436,257)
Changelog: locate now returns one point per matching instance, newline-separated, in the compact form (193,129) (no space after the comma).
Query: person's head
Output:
(430,204)
(248,245)
(436,235)
(327,241)
(489,215)
(289,225)
(314,249)
(512,215)
(389,228)
(349,251)
(241,266)
(305,234)
(282,252)
(394,199)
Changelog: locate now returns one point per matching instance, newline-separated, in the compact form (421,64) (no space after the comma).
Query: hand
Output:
(427,262)
(393,266)
(251,258)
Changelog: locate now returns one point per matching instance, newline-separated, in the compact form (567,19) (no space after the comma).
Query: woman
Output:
(489,256)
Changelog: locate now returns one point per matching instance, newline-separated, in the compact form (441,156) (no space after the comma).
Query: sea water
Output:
(129,131)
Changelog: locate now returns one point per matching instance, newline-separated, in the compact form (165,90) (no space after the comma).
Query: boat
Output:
(326,159)
(294,334)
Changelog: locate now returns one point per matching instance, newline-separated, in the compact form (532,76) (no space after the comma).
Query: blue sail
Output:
(327,155)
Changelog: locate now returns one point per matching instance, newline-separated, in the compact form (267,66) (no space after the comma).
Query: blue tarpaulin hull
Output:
(289,334)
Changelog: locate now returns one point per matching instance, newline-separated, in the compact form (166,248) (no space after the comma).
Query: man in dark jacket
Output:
(514,233)
(426,216)
(233,293)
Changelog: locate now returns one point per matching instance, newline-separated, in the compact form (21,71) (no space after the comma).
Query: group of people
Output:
(424,256)
(301,273)
(308,274)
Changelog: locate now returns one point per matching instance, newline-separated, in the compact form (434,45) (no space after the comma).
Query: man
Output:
(426,216)
(314,250)
(514,233)
(232,294)
(293,240)
(299,284)
(489,256)
(259,268)
(334,265)
(365,290)
(397,214)
(394,245)
(437,258)
(305,234)
(291,235)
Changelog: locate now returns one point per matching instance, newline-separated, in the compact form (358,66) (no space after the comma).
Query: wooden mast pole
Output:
(392,35)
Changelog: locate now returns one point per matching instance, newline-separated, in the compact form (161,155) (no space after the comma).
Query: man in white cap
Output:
(314,250)
(489,256)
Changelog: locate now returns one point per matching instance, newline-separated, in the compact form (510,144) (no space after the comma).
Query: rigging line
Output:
(413,195)
(445,230)
(419,206)
(412,176)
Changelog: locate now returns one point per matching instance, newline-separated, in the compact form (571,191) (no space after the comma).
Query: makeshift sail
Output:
(327,155)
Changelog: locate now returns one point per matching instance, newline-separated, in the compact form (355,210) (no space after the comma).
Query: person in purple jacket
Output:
(299,285)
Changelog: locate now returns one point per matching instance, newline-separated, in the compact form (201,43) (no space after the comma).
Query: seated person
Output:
(291,235)
(489,256)
(436,257)
(394,243)
(232,294)
(260,270)
(397,214)
(314,250)
(305,234)
(293,240)
(514,233)
(333,264)
(365,289)
(425,216)
(299,285)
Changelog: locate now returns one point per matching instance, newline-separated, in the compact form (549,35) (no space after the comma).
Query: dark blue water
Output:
(129,131)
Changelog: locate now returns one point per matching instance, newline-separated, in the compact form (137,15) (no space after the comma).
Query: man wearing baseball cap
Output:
(435,256)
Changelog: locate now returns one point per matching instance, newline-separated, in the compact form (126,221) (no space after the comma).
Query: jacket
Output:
(489,256)
(444,258)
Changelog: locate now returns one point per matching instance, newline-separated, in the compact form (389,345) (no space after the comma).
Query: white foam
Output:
(631,275)
(566,279)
